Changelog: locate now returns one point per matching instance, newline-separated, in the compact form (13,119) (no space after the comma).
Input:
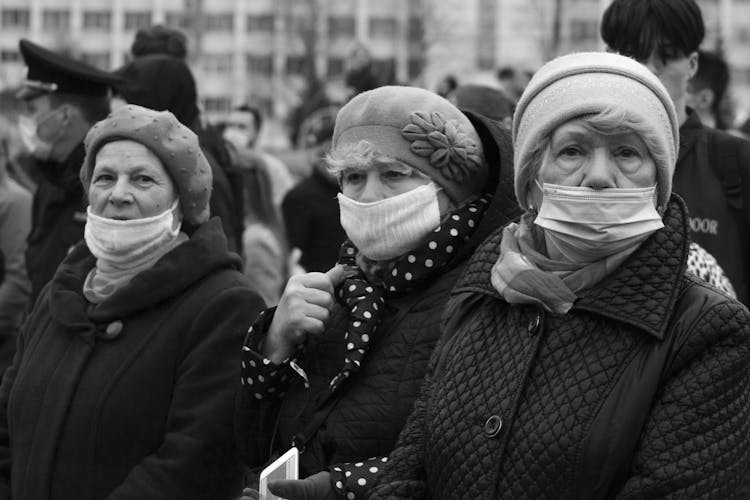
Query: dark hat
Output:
(490,102)
(50,71)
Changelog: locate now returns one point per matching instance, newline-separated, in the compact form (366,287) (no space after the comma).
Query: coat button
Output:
(112,331)
(493,425)
(534,324)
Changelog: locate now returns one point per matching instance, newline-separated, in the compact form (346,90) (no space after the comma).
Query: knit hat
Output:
(488,101)
(173,143)
(420,129)
(587,83)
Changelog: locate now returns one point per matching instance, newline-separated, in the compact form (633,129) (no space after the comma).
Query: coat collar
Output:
(690,132)
(642,292)
(205,252)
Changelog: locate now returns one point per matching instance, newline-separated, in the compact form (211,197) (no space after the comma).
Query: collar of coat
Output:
(201,255)
(641,292)
(690,131)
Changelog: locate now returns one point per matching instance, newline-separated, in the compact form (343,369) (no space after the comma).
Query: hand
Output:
(316,487)
(303,309)
(293,264)
(250,494)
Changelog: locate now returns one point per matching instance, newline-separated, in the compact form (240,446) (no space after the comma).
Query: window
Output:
(98,59)
(583,30)
(383,27)
(137,20)
(97,20)
(335,66)
(174,19)
(55,20)
(219,22)
(260,23)
(217,104)
(15,18)
(416,29)
(259,64)
(296,65)
(10,56)
(340,26)
(742,34)
(218,63)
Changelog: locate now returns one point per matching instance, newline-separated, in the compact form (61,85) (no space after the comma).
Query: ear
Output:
(692,64)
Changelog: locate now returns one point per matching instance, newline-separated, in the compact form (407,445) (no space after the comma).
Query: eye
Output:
(102,177)
(352,176)
(628,153)
(570,152)
(394,175)
(143,179)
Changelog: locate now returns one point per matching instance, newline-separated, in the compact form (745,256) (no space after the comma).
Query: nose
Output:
(121,193)
(600,172)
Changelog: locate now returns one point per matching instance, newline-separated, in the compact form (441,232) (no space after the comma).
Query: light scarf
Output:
(523,274)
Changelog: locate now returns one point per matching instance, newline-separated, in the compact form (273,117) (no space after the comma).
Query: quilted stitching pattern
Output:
(550,388)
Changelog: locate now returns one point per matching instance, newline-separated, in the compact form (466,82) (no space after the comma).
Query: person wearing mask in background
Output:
(165,83)
(310,209)
(122,383)
(15,226)
(334,370)
(713,167)
(241,129)
(63,97)
(579,360)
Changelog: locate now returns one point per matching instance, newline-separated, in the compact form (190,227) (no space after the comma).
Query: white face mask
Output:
(38,148)
(129,243)
(235,137)
(585,225)
(388,228)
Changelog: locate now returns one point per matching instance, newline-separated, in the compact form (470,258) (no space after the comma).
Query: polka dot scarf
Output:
(366,300)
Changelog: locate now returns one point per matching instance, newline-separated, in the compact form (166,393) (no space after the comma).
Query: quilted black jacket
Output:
(372,406)
(640,391)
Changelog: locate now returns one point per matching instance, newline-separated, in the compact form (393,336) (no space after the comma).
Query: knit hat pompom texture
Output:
(421,129)
(586,83)
(173,143)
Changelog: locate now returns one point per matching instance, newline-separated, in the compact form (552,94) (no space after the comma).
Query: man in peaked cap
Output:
(64,98)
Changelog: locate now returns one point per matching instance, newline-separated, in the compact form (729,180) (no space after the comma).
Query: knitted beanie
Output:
(173,143)
(421,129)
(586,83)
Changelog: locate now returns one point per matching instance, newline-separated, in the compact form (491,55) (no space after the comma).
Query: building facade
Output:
(263,51)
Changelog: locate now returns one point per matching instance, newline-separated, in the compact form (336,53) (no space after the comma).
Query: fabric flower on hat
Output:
(444,143)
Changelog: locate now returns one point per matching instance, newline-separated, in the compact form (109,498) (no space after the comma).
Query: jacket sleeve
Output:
(197,458)
(696,440)
(5,388)
(15,225)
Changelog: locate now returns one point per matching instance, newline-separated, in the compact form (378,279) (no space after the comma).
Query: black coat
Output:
(371,407)
(642,390)
(93,410)
(58,218)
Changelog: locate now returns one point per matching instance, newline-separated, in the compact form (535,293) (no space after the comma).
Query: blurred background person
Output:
(707,89)
(713,167)
(446,86)
(490,102)
(15,226)
(134,342)
(165,83)
(63,97)
(241,129)
(160,39)
(310,209)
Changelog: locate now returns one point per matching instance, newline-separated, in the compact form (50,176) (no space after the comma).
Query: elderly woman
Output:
(122,383)
(335,369)
(579,360)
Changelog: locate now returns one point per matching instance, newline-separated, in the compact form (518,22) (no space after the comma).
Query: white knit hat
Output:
(586,83)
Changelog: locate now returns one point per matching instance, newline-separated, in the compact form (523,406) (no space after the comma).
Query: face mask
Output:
(586,225)
(235,137)
(388,228)
(129,243)
(38,148)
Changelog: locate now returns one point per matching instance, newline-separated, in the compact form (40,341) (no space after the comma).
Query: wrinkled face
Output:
(384,179)
(129,182)
(578,156)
